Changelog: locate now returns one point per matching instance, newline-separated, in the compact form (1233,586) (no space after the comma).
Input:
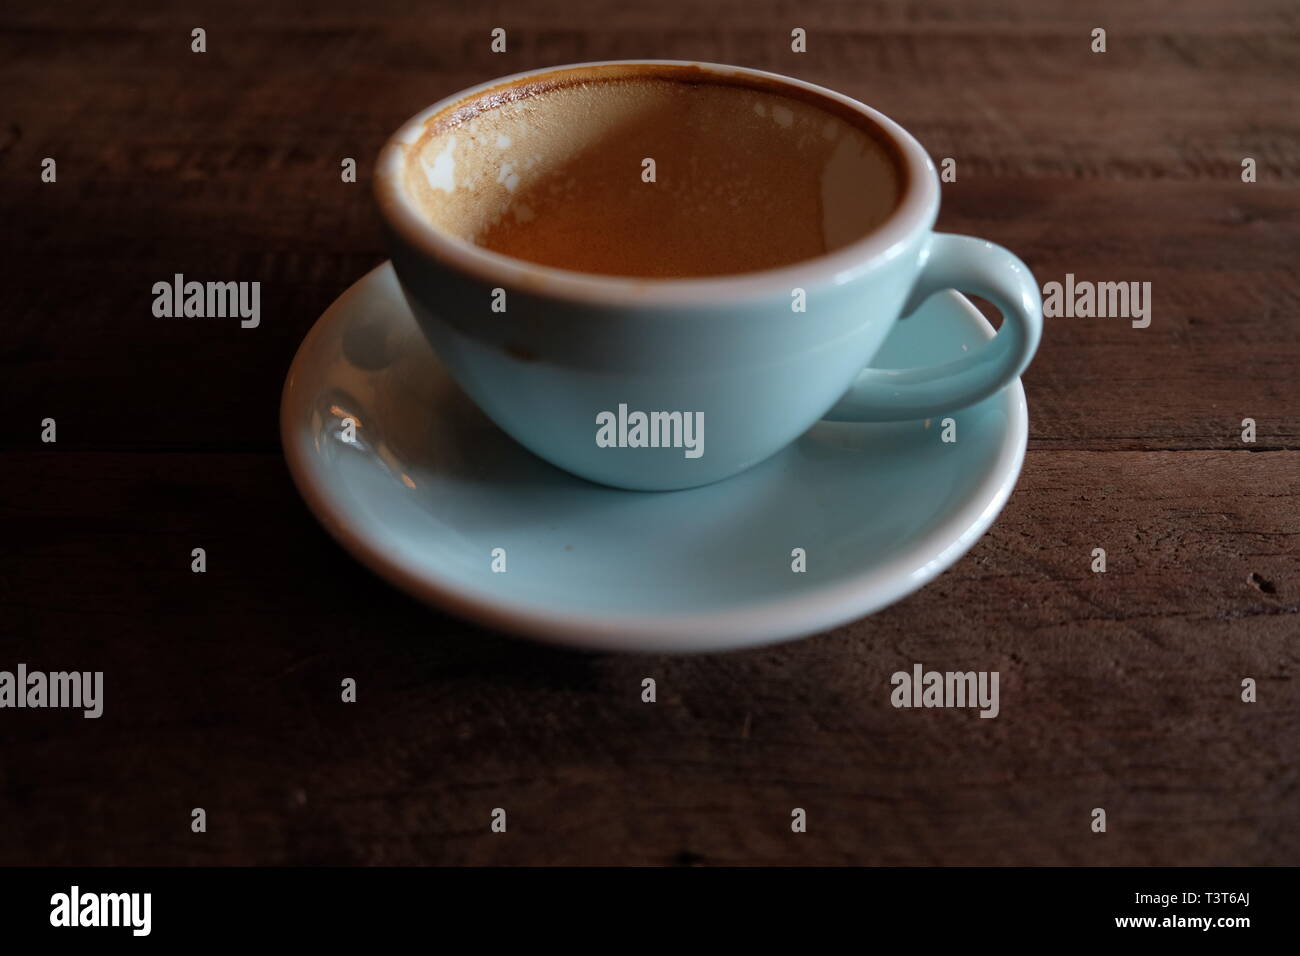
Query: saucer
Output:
(431,495)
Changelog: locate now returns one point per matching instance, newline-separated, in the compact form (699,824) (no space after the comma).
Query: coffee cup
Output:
(657,274)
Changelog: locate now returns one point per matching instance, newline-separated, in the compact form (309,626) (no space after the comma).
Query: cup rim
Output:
(917,209)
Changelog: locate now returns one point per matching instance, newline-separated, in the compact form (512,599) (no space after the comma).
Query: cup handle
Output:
(969,265)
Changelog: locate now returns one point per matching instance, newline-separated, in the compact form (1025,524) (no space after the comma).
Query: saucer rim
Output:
(753,625)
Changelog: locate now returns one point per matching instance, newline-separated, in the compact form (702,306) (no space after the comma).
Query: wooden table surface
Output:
(1119,690)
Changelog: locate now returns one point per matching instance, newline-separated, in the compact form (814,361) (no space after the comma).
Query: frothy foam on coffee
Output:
(743,179)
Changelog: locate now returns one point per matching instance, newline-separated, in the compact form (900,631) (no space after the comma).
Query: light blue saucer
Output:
(430,488)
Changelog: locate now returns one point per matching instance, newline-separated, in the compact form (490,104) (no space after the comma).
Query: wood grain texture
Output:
(1118,690)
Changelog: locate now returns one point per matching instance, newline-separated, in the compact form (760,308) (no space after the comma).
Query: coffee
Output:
(744,177)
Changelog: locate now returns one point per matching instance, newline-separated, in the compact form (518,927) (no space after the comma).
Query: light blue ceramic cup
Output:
(574,357)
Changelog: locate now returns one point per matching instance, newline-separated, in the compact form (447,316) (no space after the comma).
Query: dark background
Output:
(1119,690)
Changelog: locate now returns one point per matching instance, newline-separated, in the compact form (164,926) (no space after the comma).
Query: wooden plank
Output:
(1117,690)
